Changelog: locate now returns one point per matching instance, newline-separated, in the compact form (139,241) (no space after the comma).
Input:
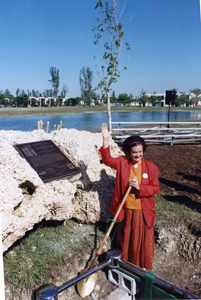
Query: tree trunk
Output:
(109,110)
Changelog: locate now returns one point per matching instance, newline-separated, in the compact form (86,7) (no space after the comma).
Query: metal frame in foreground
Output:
(114,262)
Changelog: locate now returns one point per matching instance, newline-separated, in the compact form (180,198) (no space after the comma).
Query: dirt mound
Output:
(179,172)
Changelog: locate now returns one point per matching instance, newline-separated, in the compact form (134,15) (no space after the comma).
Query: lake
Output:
(90,121)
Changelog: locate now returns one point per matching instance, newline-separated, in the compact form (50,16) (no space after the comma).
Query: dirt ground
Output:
(179,169)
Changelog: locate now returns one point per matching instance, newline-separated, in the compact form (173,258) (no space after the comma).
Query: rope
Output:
(111,220)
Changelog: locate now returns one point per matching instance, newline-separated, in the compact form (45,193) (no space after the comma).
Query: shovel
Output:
(86,286)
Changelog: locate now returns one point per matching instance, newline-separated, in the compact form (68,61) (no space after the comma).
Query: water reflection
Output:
(196,116)
(89,121)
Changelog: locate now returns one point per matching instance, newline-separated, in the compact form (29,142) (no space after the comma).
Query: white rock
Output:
(86,196)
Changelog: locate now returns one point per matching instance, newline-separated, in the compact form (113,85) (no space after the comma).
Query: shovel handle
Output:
(110,228)
(112,224)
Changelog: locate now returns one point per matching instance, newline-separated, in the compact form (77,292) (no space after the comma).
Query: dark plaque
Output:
(47,160)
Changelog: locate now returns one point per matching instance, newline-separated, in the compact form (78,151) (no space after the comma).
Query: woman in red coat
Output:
(136,235)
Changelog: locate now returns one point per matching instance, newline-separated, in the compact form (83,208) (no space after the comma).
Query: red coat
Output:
(148,188)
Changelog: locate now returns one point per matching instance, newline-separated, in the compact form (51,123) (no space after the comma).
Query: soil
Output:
(180,170)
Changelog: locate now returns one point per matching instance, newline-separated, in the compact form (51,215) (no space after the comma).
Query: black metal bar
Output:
(115,261)
(84,275)
(53,292)
(158,281)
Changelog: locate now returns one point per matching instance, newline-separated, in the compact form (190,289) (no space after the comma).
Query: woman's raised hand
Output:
(106,134)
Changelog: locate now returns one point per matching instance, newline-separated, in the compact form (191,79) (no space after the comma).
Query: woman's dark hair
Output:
(133,141)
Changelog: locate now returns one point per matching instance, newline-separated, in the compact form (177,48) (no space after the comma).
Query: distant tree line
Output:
(23,99)
(87,94)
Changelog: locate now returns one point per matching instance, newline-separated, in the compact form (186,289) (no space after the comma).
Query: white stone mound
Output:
(86,196)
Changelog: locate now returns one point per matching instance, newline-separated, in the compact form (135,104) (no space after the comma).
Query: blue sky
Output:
(164,35)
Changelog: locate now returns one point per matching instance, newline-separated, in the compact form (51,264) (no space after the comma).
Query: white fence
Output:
(159,132)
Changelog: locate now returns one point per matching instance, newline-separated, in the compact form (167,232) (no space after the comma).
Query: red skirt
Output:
(136,240)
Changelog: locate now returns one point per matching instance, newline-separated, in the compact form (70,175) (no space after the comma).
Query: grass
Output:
(165,211)
(39,257)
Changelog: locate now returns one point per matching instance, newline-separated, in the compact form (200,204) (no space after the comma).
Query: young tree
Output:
(86,77)
(108,36)
(55,79)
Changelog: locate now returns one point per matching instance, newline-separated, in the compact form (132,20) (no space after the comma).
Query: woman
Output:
(136,235)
